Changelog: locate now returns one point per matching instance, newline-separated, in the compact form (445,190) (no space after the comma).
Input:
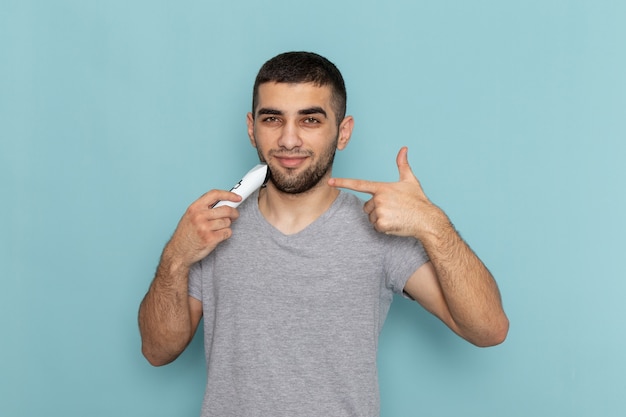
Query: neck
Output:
(291,213)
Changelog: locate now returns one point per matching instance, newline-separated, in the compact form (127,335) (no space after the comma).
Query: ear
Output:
(345,132)
(250,123)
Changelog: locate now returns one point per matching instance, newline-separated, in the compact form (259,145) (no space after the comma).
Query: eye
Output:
(270,119)
(311,120)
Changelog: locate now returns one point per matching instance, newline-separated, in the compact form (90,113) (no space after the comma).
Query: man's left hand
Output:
(398,208)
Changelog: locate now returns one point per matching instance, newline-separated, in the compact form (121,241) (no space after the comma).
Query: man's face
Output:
(295,131)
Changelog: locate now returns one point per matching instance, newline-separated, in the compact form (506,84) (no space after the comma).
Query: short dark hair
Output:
(303,67)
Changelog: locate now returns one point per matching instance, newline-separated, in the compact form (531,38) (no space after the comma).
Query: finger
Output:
(211,220)
(402,160)
(227,196)
(369,206)
(219,224)
(362,186)
(212,197)
(373,218)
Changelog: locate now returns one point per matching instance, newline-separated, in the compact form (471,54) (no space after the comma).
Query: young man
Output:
(295,284)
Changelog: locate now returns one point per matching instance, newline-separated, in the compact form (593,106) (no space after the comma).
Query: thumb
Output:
(404,169)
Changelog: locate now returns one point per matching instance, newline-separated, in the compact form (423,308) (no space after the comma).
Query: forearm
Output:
(470,292)
(167,317)
(455,285)
(164,314)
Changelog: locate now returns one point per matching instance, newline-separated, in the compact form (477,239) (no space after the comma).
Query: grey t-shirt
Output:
(291,322)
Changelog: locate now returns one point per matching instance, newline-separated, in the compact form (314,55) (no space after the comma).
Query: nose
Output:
(289,137)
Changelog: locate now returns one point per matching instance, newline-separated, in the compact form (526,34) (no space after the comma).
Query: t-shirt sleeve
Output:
(195,281)
(404,257)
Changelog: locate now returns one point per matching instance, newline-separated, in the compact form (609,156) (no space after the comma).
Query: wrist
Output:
(173,262)
(436,227)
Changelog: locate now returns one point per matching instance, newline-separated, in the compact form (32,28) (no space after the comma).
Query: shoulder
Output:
(347,215)
(349,203)
(350,209)
(250,204)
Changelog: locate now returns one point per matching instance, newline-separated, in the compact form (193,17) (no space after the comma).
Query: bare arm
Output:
(168,316)
(458,288)
(455,285)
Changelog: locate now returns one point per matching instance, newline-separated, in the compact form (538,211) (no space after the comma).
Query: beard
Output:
(292,182)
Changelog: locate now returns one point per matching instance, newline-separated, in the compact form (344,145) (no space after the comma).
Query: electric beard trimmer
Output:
(252,181)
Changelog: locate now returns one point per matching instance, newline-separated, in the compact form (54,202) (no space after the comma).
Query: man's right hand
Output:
(202,227)
(168,316)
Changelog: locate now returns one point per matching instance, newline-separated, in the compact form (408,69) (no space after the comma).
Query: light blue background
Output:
(115,115)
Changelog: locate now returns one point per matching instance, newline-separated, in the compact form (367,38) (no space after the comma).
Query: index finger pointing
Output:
(361,186)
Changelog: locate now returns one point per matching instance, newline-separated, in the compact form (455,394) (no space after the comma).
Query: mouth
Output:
(290,161)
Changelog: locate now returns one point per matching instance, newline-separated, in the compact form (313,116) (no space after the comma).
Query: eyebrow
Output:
(269,111)
(313,110)
(307,111)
